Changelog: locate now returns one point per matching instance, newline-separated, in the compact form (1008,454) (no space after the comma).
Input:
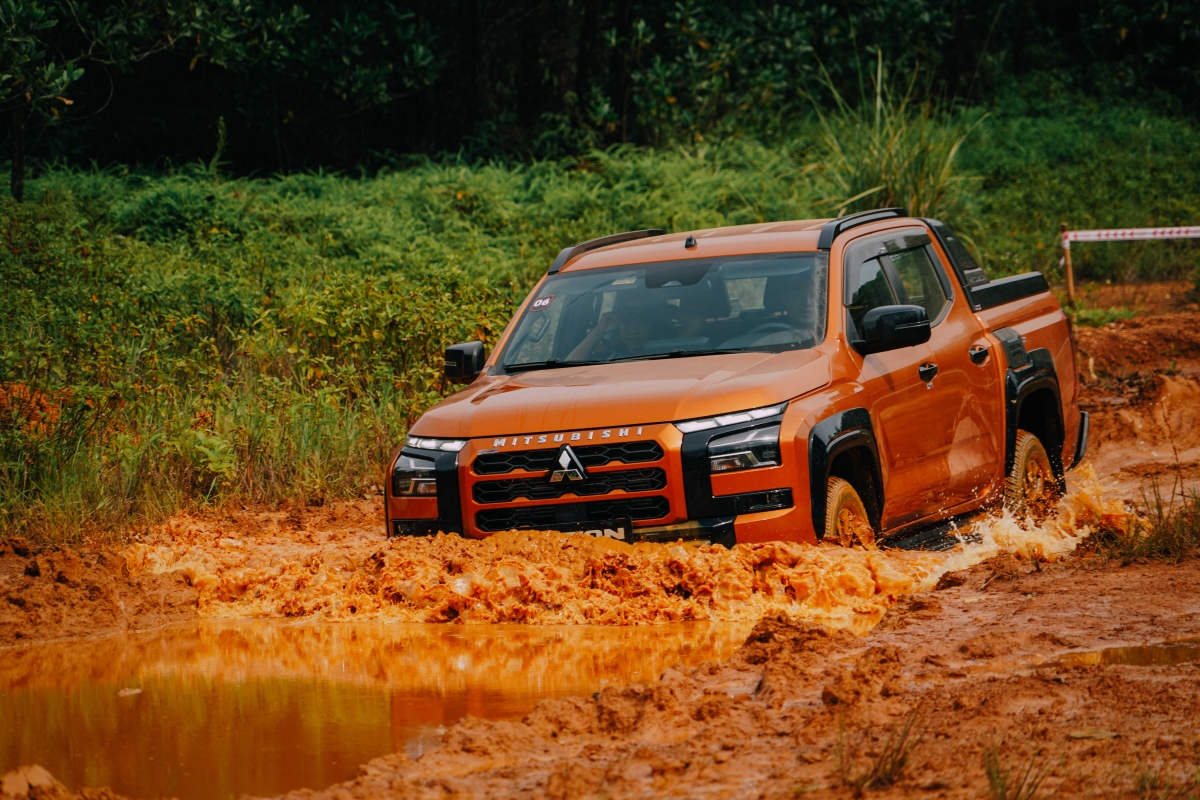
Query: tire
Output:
(846,520)
(1031,490)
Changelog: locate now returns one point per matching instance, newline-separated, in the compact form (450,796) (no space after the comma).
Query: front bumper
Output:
(644,483)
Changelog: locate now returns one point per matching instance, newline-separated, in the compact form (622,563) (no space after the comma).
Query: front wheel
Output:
(1031,490)
(846,520)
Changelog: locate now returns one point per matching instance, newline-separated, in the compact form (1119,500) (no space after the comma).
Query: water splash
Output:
(549,578)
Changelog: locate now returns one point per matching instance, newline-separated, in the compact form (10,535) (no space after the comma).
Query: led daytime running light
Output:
(693,425)
(446,445)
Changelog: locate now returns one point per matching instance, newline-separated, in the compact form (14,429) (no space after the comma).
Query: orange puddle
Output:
(551,578)
(222,708)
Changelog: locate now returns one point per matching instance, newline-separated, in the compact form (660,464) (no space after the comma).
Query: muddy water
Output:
(222,708)
(1145,655)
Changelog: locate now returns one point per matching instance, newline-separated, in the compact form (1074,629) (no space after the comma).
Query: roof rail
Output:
(834,228)
(591,244)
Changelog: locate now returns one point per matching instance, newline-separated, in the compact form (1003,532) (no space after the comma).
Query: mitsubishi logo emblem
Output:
(570,467)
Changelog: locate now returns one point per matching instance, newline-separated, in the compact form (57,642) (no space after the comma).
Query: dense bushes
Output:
(174,339)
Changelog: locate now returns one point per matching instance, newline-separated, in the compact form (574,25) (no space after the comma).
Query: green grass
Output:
(1165,530)
(177,340)
(1098,317)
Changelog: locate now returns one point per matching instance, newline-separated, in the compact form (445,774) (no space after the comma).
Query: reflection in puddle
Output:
(256,707)
(1146,655)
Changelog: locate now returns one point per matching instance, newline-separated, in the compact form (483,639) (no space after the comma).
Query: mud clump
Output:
(58,593)
(34,782)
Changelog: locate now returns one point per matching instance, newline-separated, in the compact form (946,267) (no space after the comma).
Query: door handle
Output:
(979,353)
(927,371)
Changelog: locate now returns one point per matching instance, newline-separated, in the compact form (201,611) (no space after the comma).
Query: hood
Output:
(632,393)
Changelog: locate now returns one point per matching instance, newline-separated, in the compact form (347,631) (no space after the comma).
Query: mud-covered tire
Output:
(1031,490)
(846,520)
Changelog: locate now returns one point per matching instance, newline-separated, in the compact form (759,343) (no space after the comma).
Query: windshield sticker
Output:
(625,281)
(542,303)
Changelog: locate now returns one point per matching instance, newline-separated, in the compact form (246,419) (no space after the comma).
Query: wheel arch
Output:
(1033,403)
(843,445)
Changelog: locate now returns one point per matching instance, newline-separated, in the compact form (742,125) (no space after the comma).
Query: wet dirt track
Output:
(974,658)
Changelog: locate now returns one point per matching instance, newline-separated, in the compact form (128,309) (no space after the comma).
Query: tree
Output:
(33,78)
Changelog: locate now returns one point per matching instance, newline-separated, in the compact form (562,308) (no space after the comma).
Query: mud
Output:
(771,720)
(1142,388)
(550,578)
(60,593)
(800,709)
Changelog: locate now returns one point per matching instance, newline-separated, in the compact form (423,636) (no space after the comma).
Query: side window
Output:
(868,288)
(920,281)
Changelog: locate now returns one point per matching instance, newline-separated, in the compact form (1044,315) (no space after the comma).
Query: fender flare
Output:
(828,439)
(1028,372)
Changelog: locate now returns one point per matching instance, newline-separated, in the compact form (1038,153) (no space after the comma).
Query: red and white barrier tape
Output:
(1119,234)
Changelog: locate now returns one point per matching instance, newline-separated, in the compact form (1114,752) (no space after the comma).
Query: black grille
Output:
(592,455)
(500,463)
(633,480)
(597,455)
(546,517)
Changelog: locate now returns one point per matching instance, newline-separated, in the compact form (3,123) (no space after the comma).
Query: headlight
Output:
(757,447)
(413,477)
(449,445)
(693,425)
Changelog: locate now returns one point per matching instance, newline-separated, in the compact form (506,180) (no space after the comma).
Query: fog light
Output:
(413,477)
(757,447)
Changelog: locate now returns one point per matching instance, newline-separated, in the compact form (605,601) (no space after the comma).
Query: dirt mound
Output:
(59,593)
(1139,346)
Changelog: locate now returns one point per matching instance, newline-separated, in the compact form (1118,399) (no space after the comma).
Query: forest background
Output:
(241,233)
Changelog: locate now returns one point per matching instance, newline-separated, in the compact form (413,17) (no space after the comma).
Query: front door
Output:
(906,431)
(938,407)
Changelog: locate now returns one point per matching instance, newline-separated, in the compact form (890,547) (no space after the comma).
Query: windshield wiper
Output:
(555,363)
(552,363)
(676,354)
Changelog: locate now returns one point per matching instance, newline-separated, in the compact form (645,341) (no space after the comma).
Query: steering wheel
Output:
(769,327)
(803,336)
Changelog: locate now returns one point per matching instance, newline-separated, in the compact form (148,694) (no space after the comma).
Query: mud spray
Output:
(549,578)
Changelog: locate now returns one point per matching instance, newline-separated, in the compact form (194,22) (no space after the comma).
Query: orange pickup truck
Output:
(857,379)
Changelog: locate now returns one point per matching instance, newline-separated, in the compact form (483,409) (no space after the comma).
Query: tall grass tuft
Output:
(1165,531)
(885,768)
(1012,783)
(891,150)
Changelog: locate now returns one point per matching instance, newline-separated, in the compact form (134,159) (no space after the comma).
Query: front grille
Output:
(591,455)
(597,455)
(547,517)
(634,480)
(500,463)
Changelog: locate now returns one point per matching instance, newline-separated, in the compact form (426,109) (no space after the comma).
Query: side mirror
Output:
(464,362)
(893,327)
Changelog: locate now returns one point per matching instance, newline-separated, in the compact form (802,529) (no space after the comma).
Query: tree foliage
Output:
(342,83)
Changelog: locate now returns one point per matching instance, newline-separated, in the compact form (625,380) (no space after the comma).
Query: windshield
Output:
(701,306)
